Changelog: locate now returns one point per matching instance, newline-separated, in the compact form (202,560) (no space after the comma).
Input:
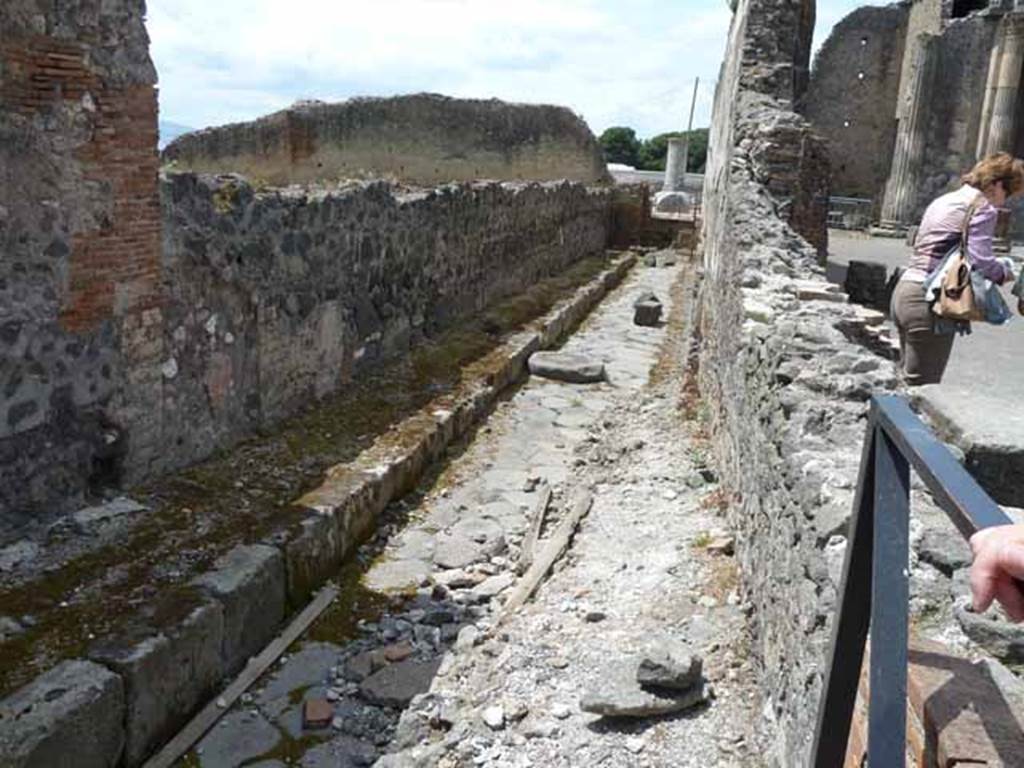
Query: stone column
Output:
(1002,125)
(991,83)
(1001,116)
(901,190)
(675,165)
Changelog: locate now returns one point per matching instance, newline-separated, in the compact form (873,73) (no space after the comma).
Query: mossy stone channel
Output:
(246,495)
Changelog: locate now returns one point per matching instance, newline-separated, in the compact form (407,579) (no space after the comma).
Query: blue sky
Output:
(613,62)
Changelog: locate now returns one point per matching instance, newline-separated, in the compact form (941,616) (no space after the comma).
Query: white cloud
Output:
(614,63)
(233,60)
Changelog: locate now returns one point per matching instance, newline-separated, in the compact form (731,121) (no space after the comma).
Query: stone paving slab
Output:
(988,429)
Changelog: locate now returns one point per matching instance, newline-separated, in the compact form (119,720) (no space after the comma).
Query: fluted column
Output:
(1002,131)
(903,186)
(675,165)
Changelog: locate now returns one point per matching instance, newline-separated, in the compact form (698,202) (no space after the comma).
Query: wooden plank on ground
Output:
(547,556)
(536,526)
(208,717)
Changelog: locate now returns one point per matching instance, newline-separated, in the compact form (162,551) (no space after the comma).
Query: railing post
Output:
(875,586)
(887,709)
(850,626)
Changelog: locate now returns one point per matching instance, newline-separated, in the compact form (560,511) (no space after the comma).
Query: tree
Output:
(620,145)
(654,151)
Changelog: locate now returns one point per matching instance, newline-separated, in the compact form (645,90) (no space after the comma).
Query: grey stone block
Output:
(249,584)
(168,672)
(397,684)
(69,717)
(312,555)
(990,434)
(562,366)
(647,313)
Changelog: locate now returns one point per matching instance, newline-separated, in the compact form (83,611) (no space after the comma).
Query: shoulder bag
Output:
(956,299)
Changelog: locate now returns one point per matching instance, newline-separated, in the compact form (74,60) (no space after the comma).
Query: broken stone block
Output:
(947,552)
(563,366)
(669,664)
(999,637)
(86,520)
(647,314)
(647,310)
(316,714)
(492,587)
(397,684)
(456,552)
(69,717)
(621,695)
(240,737)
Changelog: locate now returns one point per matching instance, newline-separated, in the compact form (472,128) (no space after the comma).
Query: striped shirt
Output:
(940,232)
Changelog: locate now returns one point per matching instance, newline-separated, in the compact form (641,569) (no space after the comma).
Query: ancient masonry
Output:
(422,139)
(146,322)
(783,367)
(148,319)
(910,95)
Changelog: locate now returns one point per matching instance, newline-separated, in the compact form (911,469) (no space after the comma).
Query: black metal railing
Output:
(875,590)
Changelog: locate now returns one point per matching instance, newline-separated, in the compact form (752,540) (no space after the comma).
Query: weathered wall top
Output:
(423,139)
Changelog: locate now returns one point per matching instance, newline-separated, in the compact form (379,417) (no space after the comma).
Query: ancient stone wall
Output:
(786,386)
(278,298)
(142,327)
(423,139)
(852,97)
(272,300)
(80,243)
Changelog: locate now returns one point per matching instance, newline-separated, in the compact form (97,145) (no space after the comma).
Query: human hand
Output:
(998,564)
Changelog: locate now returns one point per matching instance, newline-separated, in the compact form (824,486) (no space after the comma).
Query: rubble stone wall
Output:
(786,381)
(271,300)
(276,299)
(852,97)
(422,139)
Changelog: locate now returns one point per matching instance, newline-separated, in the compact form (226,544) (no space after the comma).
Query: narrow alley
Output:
(438,671)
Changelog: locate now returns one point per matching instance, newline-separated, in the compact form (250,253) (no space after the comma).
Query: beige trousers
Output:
(923,353)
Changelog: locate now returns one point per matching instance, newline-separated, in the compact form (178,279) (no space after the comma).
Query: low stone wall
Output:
(271,300)
(280,298)
(140,685)
(422,139)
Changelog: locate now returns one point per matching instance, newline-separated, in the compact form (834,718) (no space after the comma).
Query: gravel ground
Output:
(420,668)
(642,568)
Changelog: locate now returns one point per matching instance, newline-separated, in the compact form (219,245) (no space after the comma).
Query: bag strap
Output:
(965,228)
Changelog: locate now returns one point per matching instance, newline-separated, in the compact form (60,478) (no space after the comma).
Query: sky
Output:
(612,62)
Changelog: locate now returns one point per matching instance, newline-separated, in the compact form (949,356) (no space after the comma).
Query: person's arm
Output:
(980,236)
(998,568)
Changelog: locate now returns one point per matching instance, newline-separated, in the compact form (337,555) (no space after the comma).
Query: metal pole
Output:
(689,128)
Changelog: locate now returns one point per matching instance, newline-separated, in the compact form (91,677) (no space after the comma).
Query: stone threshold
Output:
(138,688)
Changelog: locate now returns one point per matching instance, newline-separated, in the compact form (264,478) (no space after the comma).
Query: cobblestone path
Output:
(417,671)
